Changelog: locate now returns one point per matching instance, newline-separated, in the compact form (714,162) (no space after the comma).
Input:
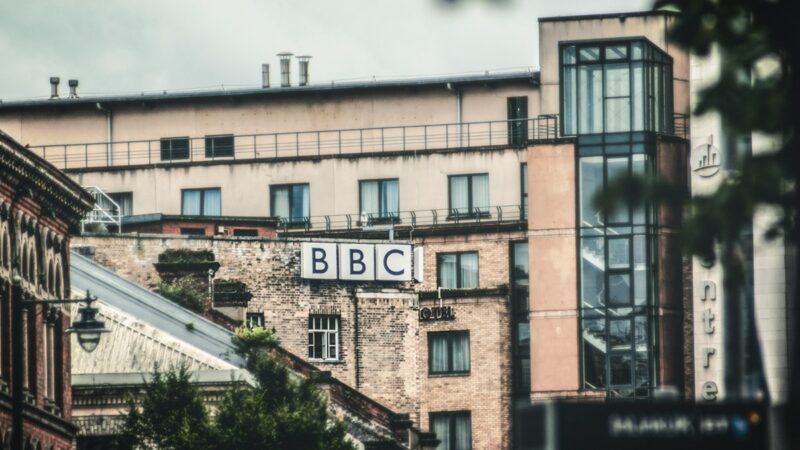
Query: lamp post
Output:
(87,328)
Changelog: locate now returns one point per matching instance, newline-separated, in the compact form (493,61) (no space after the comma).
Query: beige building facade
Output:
(492,175)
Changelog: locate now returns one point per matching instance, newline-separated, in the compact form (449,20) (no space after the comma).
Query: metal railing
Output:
(305,143)
(105,211)
(681,125)
(405,219)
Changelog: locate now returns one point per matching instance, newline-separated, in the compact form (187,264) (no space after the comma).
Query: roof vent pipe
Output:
(285,59)
(303,63)
(73,88)
(265,75)
(54,87)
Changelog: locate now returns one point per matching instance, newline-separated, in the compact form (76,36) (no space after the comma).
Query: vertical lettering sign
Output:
(709,390)
(358,262)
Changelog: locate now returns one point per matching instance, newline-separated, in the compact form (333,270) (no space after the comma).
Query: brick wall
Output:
(486,390)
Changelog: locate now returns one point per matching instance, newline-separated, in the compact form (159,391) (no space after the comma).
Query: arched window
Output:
(51,283)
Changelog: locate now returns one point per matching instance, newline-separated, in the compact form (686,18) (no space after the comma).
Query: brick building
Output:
(528,291)
(40,208)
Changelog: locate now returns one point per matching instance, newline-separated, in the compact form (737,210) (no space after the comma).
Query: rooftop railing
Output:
(352,141)
(406,219)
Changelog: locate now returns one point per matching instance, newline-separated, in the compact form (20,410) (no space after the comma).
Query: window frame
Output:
(212,152)
(459,282)
(289,220)
(112,196)
(253,314)
(170,140)
(451,416)
(451,213)
(326,332)
(523,187)
(450,335)
(202,201)
(518,129)
(380,217)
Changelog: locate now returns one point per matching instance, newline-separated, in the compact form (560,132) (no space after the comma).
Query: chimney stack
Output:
(54,88)
(265,75)
(73,88)
(303,63)
(285,60)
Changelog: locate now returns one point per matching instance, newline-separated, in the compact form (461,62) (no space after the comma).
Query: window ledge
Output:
(325,361)
(449,374)
(498,291)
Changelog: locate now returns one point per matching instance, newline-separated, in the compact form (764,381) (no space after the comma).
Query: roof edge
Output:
(620,15)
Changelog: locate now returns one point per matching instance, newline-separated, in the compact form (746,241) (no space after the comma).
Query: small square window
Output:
(255,320)
(469,195)
(458,270)
(323,337)
(218,146)
(290,202)
(453,429)
(448,352)
(201,202)
(174,148)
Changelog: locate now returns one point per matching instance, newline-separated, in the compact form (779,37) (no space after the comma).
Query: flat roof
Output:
(621,15)
(517,76)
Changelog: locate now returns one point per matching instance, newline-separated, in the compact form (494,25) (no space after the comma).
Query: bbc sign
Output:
(360,262)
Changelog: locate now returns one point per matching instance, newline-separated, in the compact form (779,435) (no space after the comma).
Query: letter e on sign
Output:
(393,262)
(357,262)
(318,261)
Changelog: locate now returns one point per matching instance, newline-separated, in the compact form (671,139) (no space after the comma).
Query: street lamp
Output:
(87,328)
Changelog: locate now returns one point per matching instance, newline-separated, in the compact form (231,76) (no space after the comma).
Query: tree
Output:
(280,412)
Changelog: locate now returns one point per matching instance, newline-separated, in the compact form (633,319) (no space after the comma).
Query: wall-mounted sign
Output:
(709,391)
(707,160)
(360,262)
(437,313)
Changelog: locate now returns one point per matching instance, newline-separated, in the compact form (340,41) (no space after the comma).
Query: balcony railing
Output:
(406,219)
(306,143)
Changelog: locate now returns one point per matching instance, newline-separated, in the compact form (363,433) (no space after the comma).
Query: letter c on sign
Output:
(318,256)
(386,262)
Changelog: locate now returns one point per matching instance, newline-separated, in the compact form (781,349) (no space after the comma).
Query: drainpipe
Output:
(108,132)
(458,109)
(355,338)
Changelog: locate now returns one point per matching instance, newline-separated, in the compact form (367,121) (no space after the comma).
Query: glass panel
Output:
(636,50)
(469,270)
(190,205)
(459,195)
(590,54)
(619,253)
(642,370)
(391,198)
(617,80)
(447,271)
(619,289)
(640,270)
(658,100)
(299,202)
(592,272)
(568,109)
(523,334)
(591,99)
(280,202)
(638,169)
(369,197)
(524,375)
(438,349)
(591,181)
(520,275)
(594,351)
(617,168)
(640,333)
(569,54)
(619,334)
(463,434)
(212,202)
(460,352)
(617,51)
(480,193)
(637,96)
(441,426)
(618,115)
(620,368)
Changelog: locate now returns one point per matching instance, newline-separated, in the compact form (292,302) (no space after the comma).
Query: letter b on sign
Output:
(319,261)
(357,262)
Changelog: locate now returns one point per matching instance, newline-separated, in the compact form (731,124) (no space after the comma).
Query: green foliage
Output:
(185,256)
(171,415)
(281,411)
(185,291)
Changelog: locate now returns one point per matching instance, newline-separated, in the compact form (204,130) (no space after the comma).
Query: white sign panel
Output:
(319,261)
(357,262)
(360,262)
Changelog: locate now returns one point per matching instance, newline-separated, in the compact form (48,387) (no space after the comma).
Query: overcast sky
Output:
(126,46)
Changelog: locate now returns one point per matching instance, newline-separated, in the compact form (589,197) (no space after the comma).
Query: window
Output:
(125,202)
(615,87)
(245,232)
(448,352)
(174,148)
(469,194)
(193,231)
(457,270)
(290,202)
(453,430)
(517,120)
(379,199)
(323,338)
(524,189)
(255,320)
(201,202)
(520,325)
(220,145)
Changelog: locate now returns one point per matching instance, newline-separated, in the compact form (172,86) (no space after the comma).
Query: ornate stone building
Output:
(39,208)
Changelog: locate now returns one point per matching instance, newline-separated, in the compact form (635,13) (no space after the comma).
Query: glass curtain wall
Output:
(615,96)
